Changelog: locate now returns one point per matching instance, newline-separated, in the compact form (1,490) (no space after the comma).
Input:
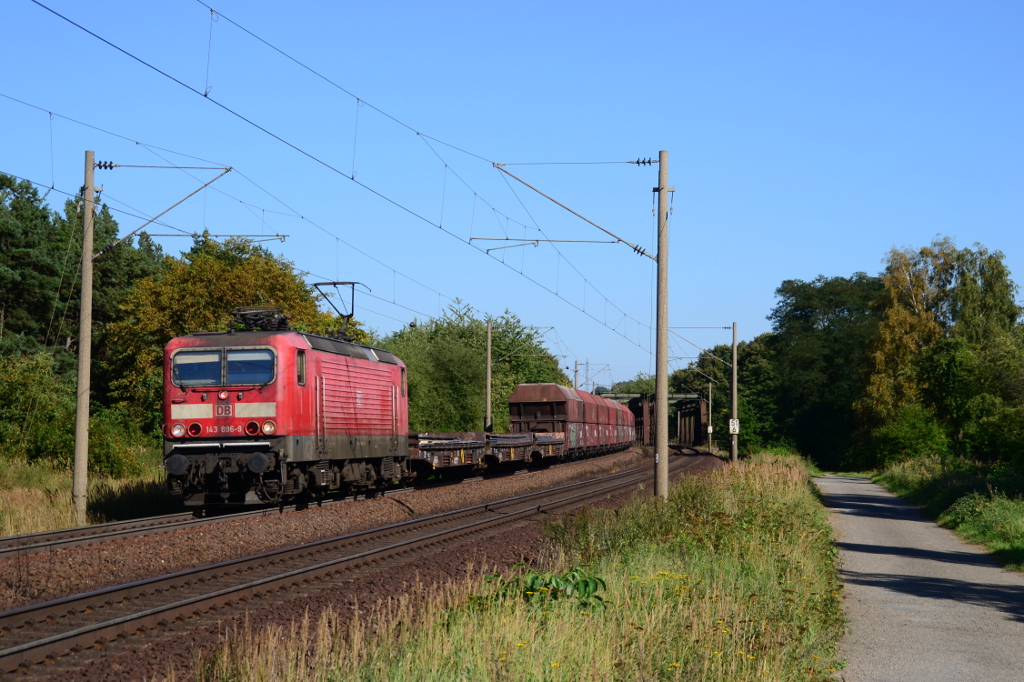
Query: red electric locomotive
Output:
(257,416)
(265,413)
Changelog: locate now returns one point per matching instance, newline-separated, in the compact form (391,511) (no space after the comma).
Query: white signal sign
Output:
(734,426)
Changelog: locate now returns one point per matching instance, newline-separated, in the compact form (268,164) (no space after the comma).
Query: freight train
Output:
(266,414)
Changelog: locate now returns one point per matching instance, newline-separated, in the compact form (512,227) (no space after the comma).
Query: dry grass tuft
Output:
(36,497)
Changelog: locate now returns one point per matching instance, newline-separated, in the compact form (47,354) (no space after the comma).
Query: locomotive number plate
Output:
(225,429)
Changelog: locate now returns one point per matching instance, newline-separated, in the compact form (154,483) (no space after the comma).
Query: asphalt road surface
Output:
(923,604)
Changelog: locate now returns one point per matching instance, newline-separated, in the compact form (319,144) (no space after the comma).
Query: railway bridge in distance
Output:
(691,417)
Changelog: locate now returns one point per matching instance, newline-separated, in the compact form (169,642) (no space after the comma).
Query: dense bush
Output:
(995,431)
(913,433)
(37,405)
(37,420)
(981,501)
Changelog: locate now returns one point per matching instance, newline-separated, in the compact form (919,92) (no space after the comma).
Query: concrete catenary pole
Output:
(711,422)
(661,360)
(80,483)
(734,432)
(488,422)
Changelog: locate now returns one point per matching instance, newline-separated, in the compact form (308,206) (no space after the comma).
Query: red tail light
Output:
(195,429)
(252,429)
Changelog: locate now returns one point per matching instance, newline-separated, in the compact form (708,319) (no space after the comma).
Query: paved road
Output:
(923,604)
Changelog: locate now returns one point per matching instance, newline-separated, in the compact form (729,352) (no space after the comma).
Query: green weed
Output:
(576,585)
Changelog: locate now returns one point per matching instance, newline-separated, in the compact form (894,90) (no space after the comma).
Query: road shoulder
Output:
(923,604)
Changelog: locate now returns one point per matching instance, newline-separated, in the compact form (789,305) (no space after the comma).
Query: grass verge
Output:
(731,580)
(982,503)
(36,496)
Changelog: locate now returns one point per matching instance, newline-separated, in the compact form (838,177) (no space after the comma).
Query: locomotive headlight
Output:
(178,430)
(269,428)
(223,395)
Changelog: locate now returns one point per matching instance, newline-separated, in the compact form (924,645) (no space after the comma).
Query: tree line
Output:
(144,297)
(924,359)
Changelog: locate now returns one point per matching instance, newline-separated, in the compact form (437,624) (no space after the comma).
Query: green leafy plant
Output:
(577,586)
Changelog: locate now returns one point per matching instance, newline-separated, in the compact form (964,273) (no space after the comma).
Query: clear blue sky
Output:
(805,139)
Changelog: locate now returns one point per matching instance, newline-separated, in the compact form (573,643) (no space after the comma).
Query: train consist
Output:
(588,423)
(264,414)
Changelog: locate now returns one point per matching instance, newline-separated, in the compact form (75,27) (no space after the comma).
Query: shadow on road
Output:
(1008,599)
(877,506)
(963,558)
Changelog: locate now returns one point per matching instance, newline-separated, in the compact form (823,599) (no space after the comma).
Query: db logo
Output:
(223,410)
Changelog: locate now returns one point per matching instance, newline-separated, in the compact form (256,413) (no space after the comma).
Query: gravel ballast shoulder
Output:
(49,575)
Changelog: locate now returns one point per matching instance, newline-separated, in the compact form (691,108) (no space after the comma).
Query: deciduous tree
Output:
(446,357)
(823,330)
(197,293)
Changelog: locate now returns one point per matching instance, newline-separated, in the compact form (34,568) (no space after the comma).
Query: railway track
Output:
(23,545)
(33,634)
(15,545)
(47,541)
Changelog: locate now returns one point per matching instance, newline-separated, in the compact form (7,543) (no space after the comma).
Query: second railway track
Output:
(33,634)
(47,541)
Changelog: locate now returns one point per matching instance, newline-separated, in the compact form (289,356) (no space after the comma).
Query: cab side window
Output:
(300,367)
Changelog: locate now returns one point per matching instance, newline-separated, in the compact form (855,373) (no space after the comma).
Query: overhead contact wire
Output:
(336,85)
(311,156)
(153,150)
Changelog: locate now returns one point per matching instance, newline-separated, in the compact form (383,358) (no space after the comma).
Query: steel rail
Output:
(47,541)
(23,545)
(58,626)
(66,538)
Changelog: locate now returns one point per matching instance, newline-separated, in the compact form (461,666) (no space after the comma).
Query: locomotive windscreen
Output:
(196,368)
(208,367)
(250,367)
